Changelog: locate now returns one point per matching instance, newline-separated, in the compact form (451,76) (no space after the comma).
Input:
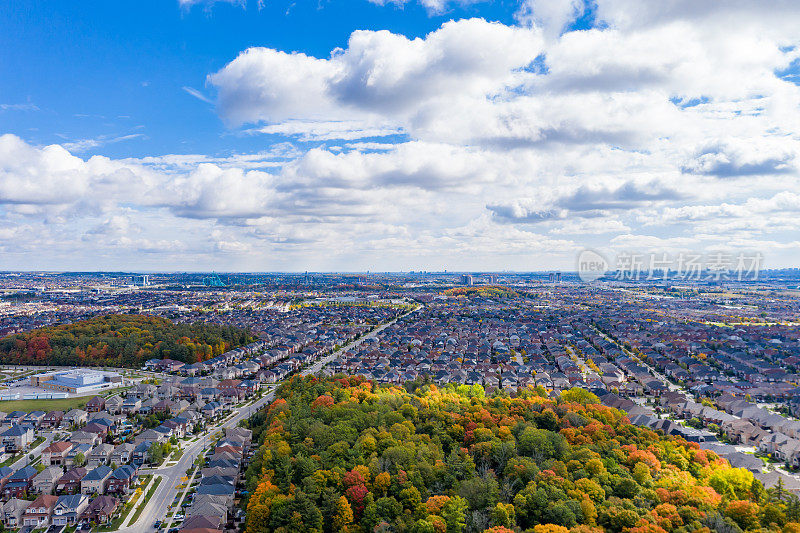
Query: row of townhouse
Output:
(85,476)
(770,432)
(745,423)
(65,510)
(227,359)
(210,507)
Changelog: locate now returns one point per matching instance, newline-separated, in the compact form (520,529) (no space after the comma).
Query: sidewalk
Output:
(138,502)
(183,495)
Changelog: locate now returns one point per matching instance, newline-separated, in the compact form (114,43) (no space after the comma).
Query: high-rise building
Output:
(141,281)
(467,280)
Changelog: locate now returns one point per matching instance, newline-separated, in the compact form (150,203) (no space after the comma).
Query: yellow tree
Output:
(343,516)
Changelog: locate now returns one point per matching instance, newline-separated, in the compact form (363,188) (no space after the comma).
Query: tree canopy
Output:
(120,340)
(343,454)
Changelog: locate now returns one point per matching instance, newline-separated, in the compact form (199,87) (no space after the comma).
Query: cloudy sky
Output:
(395,134)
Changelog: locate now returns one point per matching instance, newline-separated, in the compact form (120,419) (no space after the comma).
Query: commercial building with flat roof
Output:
(76,380)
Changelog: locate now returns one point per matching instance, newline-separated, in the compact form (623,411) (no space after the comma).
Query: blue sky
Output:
(395,134)
(100,69)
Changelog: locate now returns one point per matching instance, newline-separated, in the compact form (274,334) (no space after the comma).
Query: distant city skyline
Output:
(389,135)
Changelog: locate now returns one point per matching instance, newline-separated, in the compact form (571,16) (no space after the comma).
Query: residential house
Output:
(148,405)
(167,392)
(199,523)
(84,437)
(211,409)
(101,509)
(52,419)
(68,508)
(789,452)
(101,430)
(223,490)
(142,391)
(20,482)
(5,473)
(45,481)
(179,406)
(56,453)
(122,453)
(208,394)
(70,482)
(140,452)
(99,455)
(163,406)
(17,438)
(94,482)
(208,509)
(177,426)
(34,418)
(38,513)
(78,449)
(105,420)
(13,511)
(131,405)
(164,431)
(229,385)
(773,442)
(96,404)
(121,480)
(739,430)
(149,435)
(114,404)
(75,417)
(15,417)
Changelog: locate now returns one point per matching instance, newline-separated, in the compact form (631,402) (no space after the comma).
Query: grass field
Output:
(59,404)
(11,460)
(115,391)
(147,497)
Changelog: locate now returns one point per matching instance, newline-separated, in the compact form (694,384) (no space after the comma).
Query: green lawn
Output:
(116,523)
(146,499)
(11,460)
(115,391)
(59,404)
(126,508)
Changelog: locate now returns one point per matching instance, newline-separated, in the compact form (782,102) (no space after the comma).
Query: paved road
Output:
(316,367)
(663,379)
(164,495)
(178,506)
(22,461)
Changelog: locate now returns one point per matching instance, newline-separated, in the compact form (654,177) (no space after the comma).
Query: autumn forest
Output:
(343,454)
(120,341)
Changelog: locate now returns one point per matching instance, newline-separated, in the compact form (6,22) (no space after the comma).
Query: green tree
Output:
(155,454)
(579,395)
(454,514)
